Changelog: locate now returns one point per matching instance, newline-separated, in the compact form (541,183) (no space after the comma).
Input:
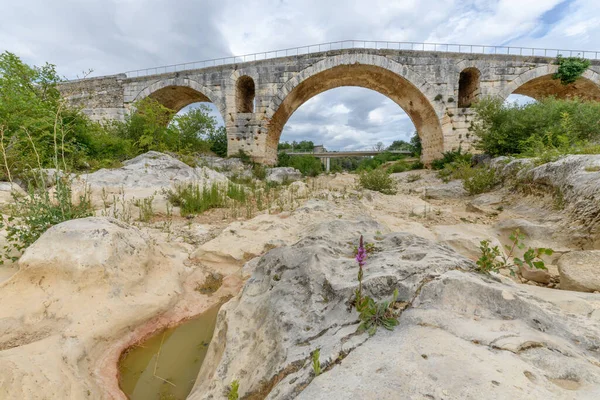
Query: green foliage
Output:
(232,393)
(316,364)
(259,171)
(414,177)
(547,128)
(456,156)
(378,180)
(32,215)
(480,180)
(303,146)
(146,211)
(373,314)
(217,139)
(243,156)
(493,260)
(570,68)
(415,143)
(193,199)
(307,164)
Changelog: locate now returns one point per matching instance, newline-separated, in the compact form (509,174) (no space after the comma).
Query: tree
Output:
(398,145)
(415,144)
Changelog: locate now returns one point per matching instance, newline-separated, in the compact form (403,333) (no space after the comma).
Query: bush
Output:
(570,68)
(378,180)
(308,165)
(32,215)
(480,180)
(193,199)
(549,125)
(450,157)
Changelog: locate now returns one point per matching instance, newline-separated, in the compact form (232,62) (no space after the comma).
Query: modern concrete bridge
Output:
(256,94)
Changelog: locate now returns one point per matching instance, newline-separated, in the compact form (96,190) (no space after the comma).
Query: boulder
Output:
(503,339)
(7,191)
(576,179)
(580,271)
(450,190)
(283,174)
(466,238)
(82,291)
(146,175)
(298,299)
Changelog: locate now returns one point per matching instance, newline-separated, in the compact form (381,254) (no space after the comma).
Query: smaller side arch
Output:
(539,82)
(468,87)
(176,93)
(245,92)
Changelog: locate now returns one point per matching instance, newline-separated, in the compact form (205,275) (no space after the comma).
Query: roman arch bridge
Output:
(256,94)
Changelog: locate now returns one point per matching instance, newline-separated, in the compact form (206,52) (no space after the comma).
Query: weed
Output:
(592,168)
(232,392)
(316,364)
(413,177)
(145,209)
(373,314)
(378,180)
(493,260)
(480,180)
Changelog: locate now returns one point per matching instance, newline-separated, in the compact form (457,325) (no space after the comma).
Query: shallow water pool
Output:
(165,366)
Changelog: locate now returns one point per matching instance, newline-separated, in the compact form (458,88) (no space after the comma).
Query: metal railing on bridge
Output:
(367,44)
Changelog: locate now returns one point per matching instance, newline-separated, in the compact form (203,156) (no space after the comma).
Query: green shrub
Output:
(259,171)
(570,68)
(549,125)
(193,199)
(450,157)
(414,177)
(493,260)
(32,215)
(480,180)
(307,164)
(378,180)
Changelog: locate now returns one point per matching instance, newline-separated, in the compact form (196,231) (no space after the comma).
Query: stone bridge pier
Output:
(256,99)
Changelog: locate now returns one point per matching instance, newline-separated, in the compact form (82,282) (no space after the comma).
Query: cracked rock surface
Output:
(462,335)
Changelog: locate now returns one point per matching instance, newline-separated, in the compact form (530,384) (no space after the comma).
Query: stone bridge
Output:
(256,98)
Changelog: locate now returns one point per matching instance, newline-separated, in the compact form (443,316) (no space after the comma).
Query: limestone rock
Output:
(580,271)
(450,190)
(466,238)
(298,299)
(142,177)
(283,174)
(504,339)
(7,190)
(82,288)
(465,336)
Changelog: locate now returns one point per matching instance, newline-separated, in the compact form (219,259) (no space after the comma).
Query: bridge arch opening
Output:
(244,94)
(347,119)
(538,83)
(468,87)
(390,84)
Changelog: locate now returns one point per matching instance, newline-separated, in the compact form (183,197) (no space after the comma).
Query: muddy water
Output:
(165,366)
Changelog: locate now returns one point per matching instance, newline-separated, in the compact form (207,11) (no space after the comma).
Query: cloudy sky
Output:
(111,36)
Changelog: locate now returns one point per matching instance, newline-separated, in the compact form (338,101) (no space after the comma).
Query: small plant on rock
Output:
(493,260)
(316,364)
(232,393)
(371,313)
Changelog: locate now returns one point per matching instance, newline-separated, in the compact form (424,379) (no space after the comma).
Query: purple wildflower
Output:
(361,255)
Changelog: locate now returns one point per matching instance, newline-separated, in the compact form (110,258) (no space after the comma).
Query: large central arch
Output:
(380,74)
